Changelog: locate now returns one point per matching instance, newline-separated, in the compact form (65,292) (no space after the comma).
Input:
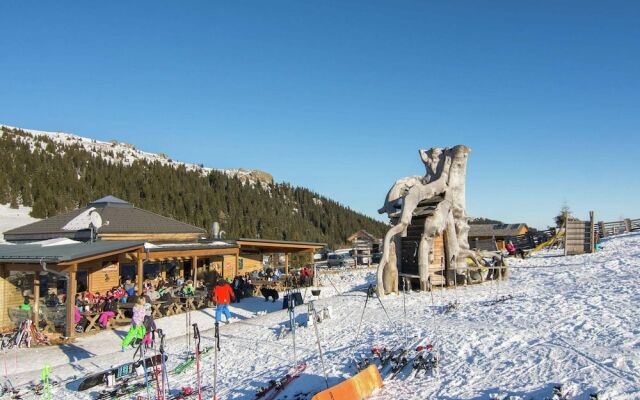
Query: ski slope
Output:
(571,321)
(11,218)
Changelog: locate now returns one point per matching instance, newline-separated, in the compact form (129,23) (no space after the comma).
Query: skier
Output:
(222,295)
(137,330)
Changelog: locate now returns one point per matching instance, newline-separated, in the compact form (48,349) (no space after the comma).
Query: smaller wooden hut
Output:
(364,245)
(500,233)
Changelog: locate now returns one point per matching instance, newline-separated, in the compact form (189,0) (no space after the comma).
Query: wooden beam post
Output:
(286,263)
(140,272)
(194,262)
(237,260)
(601,229)
(36,298)
(313,266)
(71,301)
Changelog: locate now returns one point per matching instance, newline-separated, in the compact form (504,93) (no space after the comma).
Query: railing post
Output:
(592,233)
(627,225)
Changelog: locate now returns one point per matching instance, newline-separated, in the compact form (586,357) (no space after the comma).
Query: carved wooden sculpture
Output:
(443,186)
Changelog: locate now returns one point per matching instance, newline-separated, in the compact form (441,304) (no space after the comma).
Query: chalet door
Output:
(409,245)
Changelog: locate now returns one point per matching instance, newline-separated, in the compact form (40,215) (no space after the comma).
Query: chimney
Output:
(215,230)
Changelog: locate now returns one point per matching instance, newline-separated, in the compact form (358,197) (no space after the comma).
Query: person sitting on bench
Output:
(513,251)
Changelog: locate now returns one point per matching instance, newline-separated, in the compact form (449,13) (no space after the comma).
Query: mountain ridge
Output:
(57,172)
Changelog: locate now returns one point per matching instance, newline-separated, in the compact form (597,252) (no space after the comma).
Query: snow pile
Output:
(571,321)
(11,218)
(125,153)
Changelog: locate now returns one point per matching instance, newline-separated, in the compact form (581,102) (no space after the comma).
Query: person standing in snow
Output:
(149,325)
(137,329)
(222,295)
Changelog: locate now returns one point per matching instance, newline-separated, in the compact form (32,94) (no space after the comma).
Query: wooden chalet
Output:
(364,245)
(134,244)
(500,233)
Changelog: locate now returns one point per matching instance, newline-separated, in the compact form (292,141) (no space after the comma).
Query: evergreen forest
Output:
(53,178)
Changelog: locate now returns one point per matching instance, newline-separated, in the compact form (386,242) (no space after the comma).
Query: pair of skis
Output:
(422,359)
(275,387)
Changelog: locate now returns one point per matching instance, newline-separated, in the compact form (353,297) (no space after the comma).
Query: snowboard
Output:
(120,372)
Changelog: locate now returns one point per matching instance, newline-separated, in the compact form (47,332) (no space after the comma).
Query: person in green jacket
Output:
(25,306)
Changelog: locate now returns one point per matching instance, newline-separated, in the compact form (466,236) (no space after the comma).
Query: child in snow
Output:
(137,330)
(222,295)
(149,325)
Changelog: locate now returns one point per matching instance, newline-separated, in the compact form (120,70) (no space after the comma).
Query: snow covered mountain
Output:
(125,153)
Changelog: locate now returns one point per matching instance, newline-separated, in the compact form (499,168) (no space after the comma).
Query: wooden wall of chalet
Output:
(103,276)
(10,297)
(408,262)
(249,263)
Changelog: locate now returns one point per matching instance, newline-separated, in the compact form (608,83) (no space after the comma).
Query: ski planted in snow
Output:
(191,360)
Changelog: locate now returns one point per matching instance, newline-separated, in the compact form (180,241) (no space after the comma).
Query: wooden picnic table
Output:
(156,308)
(92,321)
(122,307)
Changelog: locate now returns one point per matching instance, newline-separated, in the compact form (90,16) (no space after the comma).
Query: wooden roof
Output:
(362,233)
(497,230)
(276,246)
(65,253)
(122,217)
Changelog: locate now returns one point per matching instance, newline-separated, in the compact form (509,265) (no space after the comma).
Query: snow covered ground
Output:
(12,218)
(571,321)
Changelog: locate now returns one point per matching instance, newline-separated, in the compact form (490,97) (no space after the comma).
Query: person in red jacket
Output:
(222,295)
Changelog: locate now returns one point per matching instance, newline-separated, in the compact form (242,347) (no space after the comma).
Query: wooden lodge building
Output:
(131,244)
(500,233)
(364,245)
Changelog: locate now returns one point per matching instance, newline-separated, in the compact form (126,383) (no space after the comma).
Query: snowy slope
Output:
(572,320)
(12,218)
(118,152)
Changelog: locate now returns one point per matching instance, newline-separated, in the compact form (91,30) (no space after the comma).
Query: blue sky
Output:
(339,96)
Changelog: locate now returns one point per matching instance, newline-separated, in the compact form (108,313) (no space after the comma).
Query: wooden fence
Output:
(617,227)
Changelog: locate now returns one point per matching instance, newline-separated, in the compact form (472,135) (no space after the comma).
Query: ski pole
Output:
(45,381)
(404,305)
(196,338)
(215,359)
(315,324)
(165,376)
(292,322)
